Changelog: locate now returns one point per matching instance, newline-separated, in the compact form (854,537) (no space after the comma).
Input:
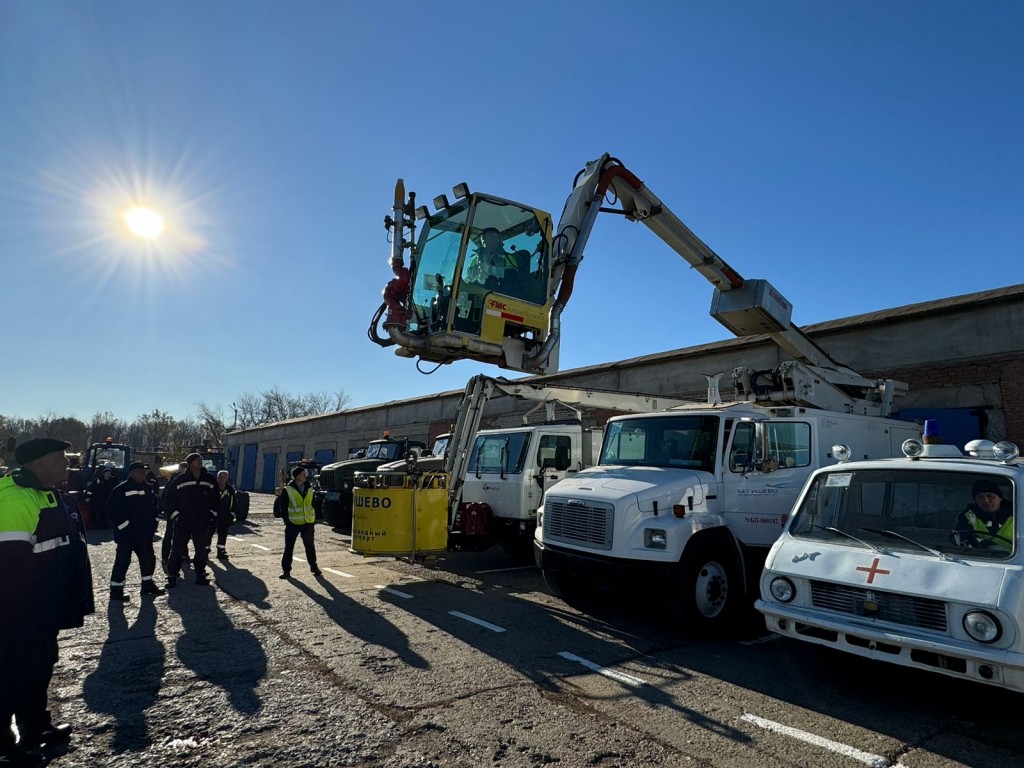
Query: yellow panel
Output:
(382,521)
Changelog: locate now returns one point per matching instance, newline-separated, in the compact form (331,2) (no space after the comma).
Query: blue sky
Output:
(858,156)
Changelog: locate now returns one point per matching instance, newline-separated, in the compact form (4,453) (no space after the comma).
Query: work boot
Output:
(172,582)
(202,581)
(117,593)
(149,587)
(50,735)
(222,553)
(285,575)
(315,571)
(16,756)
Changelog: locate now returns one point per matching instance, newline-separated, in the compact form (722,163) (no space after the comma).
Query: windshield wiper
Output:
(841,532)
(895,535)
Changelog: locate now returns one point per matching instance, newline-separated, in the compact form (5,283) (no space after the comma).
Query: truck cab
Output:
(336,480)
(508,472)
(692,498)
(896,560)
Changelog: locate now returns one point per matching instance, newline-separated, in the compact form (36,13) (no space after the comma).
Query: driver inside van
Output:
(988,522)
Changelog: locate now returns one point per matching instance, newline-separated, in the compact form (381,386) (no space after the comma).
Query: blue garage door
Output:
(269,472)
(325,456)
(249,467)
(233,465)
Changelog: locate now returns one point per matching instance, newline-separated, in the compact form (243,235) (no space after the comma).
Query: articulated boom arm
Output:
(745,307)
(482,388)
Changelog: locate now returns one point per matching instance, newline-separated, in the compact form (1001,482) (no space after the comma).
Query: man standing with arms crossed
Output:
(45,586)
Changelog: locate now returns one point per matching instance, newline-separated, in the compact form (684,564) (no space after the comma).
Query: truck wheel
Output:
(564,585)
(707,589)
(332,512)
(516,545)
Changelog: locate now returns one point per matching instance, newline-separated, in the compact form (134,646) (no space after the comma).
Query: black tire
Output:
(516,545)
(707,589)
(564,585)
(332,513)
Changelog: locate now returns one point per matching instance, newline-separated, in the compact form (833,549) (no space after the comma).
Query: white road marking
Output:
(236,538)
(622,677)
(481,622)
(406,595)
(876,761)
(502,570)
(339,573)
(766,639)
(260,546)
(300,558)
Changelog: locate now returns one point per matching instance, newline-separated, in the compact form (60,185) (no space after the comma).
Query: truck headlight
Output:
(782,589)
(655,538)
(982,626)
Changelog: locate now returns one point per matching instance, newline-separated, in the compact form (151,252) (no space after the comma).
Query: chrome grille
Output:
(578,522)
(901,609)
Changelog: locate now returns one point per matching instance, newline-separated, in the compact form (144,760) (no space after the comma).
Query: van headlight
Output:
(982,626)
(782,589)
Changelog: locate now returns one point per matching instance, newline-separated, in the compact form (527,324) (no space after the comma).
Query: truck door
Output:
(766,465)
(497,472)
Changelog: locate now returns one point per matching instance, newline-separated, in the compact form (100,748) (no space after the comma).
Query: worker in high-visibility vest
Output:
(295,505)
(988,522)
(45,586)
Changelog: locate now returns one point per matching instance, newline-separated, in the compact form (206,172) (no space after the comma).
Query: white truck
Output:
(917,561)
(496,478)
(694,495)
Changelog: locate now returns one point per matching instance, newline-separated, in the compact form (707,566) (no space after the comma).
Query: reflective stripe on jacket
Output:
(300,506)
(1005,532)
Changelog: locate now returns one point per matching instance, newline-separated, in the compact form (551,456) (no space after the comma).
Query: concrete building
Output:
(962,357)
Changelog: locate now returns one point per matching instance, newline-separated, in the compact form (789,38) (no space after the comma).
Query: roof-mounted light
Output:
(441,203)
(979,449)
(460,190)
(422,212)
(1005,452)
(841,452)
(913,448)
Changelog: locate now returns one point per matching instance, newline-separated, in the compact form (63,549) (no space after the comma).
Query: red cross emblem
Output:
(874,569)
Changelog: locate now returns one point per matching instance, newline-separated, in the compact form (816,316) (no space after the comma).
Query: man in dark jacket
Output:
(295,505)
(98,492)
(45,586)
(132,512)
(165,545)
(191,503)
(225,512)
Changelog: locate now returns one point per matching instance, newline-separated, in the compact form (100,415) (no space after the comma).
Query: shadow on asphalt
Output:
(214,649)
(361,622)
(126,681)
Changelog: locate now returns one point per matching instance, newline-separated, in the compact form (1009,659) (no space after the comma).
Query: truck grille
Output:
(579,522)
(900,609)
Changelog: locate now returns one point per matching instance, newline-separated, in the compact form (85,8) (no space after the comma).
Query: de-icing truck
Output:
(690,498)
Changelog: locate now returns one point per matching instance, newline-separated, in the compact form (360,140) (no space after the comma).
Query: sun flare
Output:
(144,222)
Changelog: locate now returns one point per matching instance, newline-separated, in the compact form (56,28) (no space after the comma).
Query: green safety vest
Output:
(300,508)
(1004,532)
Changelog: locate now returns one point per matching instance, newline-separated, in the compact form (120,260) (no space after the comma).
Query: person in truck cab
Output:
(988,522)
(489,264)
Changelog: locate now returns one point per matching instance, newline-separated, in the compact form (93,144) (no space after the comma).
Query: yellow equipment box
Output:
(401,520)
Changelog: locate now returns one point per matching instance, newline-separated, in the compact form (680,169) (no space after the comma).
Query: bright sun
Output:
(144,222)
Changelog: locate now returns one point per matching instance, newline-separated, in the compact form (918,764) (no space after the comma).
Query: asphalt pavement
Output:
(470,661)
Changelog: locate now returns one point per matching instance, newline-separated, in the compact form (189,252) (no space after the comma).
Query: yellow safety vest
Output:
(300,508)
(1005,532)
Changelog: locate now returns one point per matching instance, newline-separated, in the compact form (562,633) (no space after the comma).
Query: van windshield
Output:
(911,510)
